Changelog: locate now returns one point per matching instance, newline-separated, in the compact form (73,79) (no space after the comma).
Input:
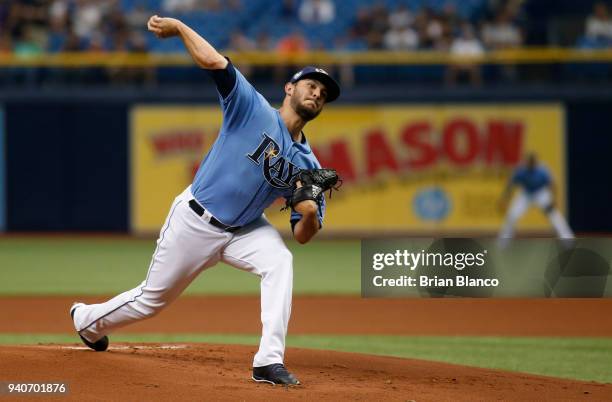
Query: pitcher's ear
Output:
(289,88)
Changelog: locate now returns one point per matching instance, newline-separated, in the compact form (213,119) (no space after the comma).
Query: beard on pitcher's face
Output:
(305,109)
(305,102)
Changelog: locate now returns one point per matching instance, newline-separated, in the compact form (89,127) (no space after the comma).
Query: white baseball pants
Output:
(187,245)
(541,198)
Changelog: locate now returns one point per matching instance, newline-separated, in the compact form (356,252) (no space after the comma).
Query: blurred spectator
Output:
(502,33)
(292,44)
(380,25)
(369,27)
(467,44)
(187,6)
(32,26)
(401,17)
(362,25)
(28,22)
(451,21)
(59,16)
(26,44)
(599,25)
(88,17)
(179,6)
(288,47)
(401,38)
(400,35)
(420,26)
(317,11)
(434,30)
(137,18)
(465,47)
(116,28)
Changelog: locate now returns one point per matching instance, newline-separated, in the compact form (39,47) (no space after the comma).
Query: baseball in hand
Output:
(163,27)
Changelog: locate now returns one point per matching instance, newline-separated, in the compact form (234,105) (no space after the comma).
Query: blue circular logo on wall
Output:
(431,204)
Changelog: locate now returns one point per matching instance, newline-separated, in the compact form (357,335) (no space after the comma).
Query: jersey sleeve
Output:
(225,79)
(240,103)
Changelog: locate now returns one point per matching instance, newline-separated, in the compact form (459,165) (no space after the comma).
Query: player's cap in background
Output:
(333,89)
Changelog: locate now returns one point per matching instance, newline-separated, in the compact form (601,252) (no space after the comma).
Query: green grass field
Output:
(81,266)
(103,266)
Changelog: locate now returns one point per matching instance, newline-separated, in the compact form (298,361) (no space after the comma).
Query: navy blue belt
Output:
(198,209)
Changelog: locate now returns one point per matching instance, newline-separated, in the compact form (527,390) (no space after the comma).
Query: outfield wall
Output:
(70,158)
(2,175)
(439,168)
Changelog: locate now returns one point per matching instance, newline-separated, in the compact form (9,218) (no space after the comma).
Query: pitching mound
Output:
(220,372)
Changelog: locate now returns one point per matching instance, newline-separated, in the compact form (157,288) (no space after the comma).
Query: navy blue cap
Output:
(333,89)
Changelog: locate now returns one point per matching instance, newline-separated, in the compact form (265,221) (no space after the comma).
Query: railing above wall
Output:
(258,58)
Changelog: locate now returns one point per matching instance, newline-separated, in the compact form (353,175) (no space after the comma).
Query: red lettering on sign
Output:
(379,154)
(460,141)
(336,155)
(417,137)
(505,140)
(178,141)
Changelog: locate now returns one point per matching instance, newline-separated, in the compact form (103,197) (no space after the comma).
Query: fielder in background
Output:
(260,155)
(536,187)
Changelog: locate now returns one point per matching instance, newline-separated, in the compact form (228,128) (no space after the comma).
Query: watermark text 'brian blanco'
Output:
(426,281)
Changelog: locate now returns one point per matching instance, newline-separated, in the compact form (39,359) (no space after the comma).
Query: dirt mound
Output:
(220,372)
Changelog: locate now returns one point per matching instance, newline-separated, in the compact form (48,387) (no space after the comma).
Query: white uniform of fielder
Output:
(536,185)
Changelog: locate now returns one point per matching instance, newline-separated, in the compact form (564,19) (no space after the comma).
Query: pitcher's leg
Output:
(276,293)
(186,246)
(261,250)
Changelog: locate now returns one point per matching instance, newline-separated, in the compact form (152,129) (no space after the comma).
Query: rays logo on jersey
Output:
(278,171)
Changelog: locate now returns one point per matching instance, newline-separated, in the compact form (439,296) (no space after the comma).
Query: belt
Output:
(198,209)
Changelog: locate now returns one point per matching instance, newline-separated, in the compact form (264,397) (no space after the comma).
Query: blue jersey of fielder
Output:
(254,159)
(531,180)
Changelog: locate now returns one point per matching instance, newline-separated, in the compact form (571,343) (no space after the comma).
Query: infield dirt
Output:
(184,372)
(213,372)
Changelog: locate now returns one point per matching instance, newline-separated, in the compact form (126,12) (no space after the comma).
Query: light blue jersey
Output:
(531,180)
(253,162)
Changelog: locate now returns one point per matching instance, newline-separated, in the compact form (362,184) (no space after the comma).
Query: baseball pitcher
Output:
(260,154)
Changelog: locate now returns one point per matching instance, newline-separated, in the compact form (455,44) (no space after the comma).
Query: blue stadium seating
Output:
(258,16)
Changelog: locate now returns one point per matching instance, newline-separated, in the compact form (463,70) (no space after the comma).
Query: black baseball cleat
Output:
(101,344)
(274,374)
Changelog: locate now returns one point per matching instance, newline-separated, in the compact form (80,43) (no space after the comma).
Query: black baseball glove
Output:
(314,183)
